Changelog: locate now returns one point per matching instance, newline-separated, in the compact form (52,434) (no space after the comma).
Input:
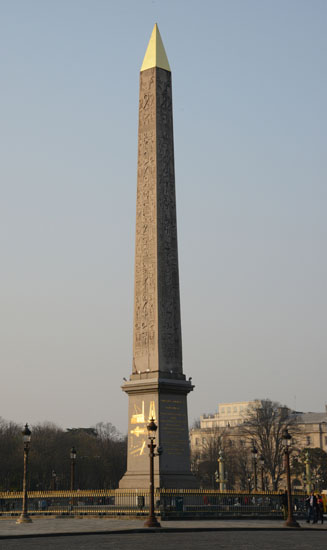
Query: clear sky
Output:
(249,91)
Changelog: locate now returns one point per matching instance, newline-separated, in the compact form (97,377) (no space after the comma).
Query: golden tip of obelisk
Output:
(155,55)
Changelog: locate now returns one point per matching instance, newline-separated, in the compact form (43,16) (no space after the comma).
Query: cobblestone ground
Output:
(240,540)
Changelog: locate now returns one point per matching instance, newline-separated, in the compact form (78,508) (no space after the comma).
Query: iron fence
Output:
(214,504)
(169,504)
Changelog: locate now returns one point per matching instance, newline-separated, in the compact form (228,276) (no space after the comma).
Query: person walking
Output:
(320,509)
(284,503)
(311,504)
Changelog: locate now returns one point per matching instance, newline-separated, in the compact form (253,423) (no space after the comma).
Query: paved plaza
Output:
(207,540)
(71,533)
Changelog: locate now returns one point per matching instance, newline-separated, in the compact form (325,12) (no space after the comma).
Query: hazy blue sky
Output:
(249,91)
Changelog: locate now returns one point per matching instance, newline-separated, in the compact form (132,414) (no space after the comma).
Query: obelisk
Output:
(157,386)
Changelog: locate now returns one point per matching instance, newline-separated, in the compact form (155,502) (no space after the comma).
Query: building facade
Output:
(311,427)
(229,414)
(227,431)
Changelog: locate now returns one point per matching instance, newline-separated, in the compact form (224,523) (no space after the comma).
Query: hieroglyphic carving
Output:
(170,339)
(145,299)
(157,327)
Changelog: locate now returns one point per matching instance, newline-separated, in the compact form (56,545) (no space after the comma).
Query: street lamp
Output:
(54,480)
(254,454)
(222,476)
(217,477)
(262,464)
(286,439)
(73,455)
(307,472)
(304,481)
(24,517)
(249,483)
(317,482)
(152,428)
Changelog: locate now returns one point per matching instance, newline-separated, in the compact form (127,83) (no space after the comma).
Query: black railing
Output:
(169,504)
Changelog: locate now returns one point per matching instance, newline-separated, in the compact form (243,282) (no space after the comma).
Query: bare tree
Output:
(196,425)
(264,423)
(238,466)
(204,462)
(10,456)
(317,459)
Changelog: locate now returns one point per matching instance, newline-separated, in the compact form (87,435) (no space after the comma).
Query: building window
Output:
(204,440)
(325,439)
(231,443)
(222,410)
(242,442)
(235,409)
(308,440)
(197,441)
(228,410)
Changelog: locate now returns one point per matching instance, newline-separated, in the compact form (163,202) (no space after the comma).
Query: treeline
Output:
(100,461)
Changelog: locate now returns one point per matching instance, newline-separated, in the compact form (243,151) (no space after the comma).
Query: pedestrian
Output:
(311,505)
(284,503)
(320,509)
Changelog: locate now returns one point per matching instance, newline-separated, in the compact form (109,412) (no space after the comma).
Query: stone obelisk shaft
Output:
(157,387)
(157,345)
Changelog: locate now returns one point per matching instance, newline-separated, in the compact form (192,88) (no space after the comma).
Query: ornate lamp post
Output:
(307,472)
(254,454)
(249,483)
(24,517)
(221,466)
(73,455)
(152,428)
(217,477)
(304,481)
(287,438)
(317,482)
(262,464)
(54,480)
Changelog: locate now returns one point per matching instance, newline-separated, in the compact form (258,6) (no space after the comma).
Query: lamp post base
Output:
(292,523)
(152,522)
(24,518)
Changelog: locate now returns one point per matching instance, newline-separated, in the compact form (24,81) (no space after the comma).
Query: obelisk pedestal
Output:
(157,387)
